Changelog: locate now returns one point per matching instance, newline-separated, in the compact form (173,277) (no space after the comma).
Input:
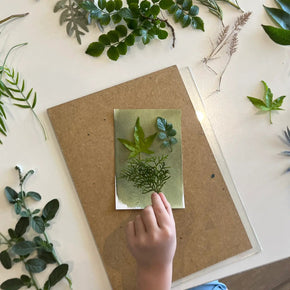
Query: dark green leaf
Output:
(95,49)
(118,4)
(130,40)
(180,2)
(110,6)
(25,279)
(5,259)
(278,35)
(173,8)
(284,4)
(132,24)
(22,106)
(113,53)
(36,211)
(104,39)
(102,4)
(171,133)
(194,10)
(38,224)
(113,36)
(11,233)
(162,136)
(17,207)
(178,14)
(34,195)
(145,5)
(34,101)
(12,284)
(116,18)
(145,38)
(281,17)
(173,140)
(11,194)
(57,274)
(197,23)
(23,248)
(46,256)
(122,30)
(35,265)
(105,19)
(154,10)
(162,34)
(165,144)
(50,210)
(21,226)
(122,48)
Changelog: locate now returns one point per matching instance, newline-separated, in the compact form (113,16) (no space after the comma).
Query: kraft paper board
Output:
(209,229)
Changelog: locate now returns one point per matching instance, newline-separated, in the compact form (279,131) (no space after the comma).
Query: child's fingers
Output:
(166,203)
(139,226)
(160,211)
(149,219)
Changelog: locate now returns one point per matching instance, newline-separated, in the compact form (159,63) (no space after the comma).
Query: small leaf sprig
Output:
(20,246)
(166,133)
(287,141)
(138,21)
(149,174)
(10,87)
(268,104)
(281,16)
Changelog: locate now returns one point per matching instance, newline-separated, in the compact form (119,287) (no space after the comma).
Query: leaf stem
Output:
(270,115)
(12,17)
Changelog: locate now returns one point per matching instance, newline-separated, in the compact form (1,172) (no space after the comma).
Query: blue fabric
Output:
(214,285)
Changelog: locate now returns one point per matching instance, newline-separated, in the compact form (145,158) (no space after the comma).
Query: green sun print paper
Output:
(148,157)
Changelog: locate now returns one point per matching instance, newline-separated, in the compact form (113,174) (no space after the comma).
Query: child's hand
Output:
(152,241)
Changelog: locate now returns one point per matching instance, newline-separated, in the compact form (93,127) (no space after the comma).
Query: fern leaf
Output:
(23,86)
(28,95)
(22,106)
(34,101)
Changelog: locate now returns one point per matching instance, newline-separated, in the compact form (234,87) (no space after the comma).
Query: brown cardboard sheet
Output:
(209,229)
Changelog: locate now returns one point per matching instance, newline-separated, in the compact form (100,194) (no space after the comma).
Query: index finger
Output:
(160,211)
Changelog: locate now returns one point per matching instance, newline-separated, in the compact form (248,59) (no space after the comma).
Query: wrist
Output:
(157,277)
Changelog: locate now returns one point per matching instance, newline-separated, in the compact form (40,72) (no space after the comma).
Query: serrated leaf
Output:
(23,248)
(284,4)
(162,34)
(105,19)
(155,10)
(21,226)
(281,17)
(130,40)
(95,49)
(110,6)
(35,265)
(122,48)
(278,102)
(122,30)
(113,36)
(50,209)
(102,4)
(258,104)
(5,260)
(104,39)
(12,284)
(113,53)
(118,4)
(278,35)
(116,18)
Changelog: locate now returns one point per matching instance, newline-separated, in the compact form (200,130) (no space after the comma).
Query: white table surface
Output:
(59,70)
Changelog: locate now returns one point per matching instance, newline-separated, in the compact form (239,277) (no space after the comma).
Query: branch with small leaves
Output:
(287,141)
(268,104)
(22,244)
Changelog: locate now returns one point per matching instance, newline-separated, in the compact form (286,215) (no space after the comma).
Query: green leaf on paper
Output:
(278,35)
(5,259)
(268,104)
(284,4)
(12,284)
(281,17)
(140,144)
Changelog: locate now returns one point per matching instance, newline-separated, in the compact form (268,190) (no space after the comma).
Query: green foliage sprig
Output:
(140,144)
(149,174)
(13,88)
(166,133)
(22,245)
(268,104)
(281,16)
(137,21)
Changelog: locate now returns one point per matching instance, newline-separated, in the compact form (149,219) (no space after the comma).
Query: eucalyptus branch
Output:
(13,17)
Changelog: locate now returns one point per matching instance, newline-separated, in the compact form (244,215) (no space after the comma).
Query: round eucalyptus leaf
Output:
(197,23)
(113,36)
(102,4)
(104,39)
(154,10)
(110,6)
(178,14)
(165,4)
(116,18)
(130,40)
(113,53)
(95,49)
(187,5)
(186,21)
(162,24)
(105,19)
(145,5)
(173,8)
(171,133)
(122,30)
(122,48)
(193,11)
(162,34)
(118,4)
